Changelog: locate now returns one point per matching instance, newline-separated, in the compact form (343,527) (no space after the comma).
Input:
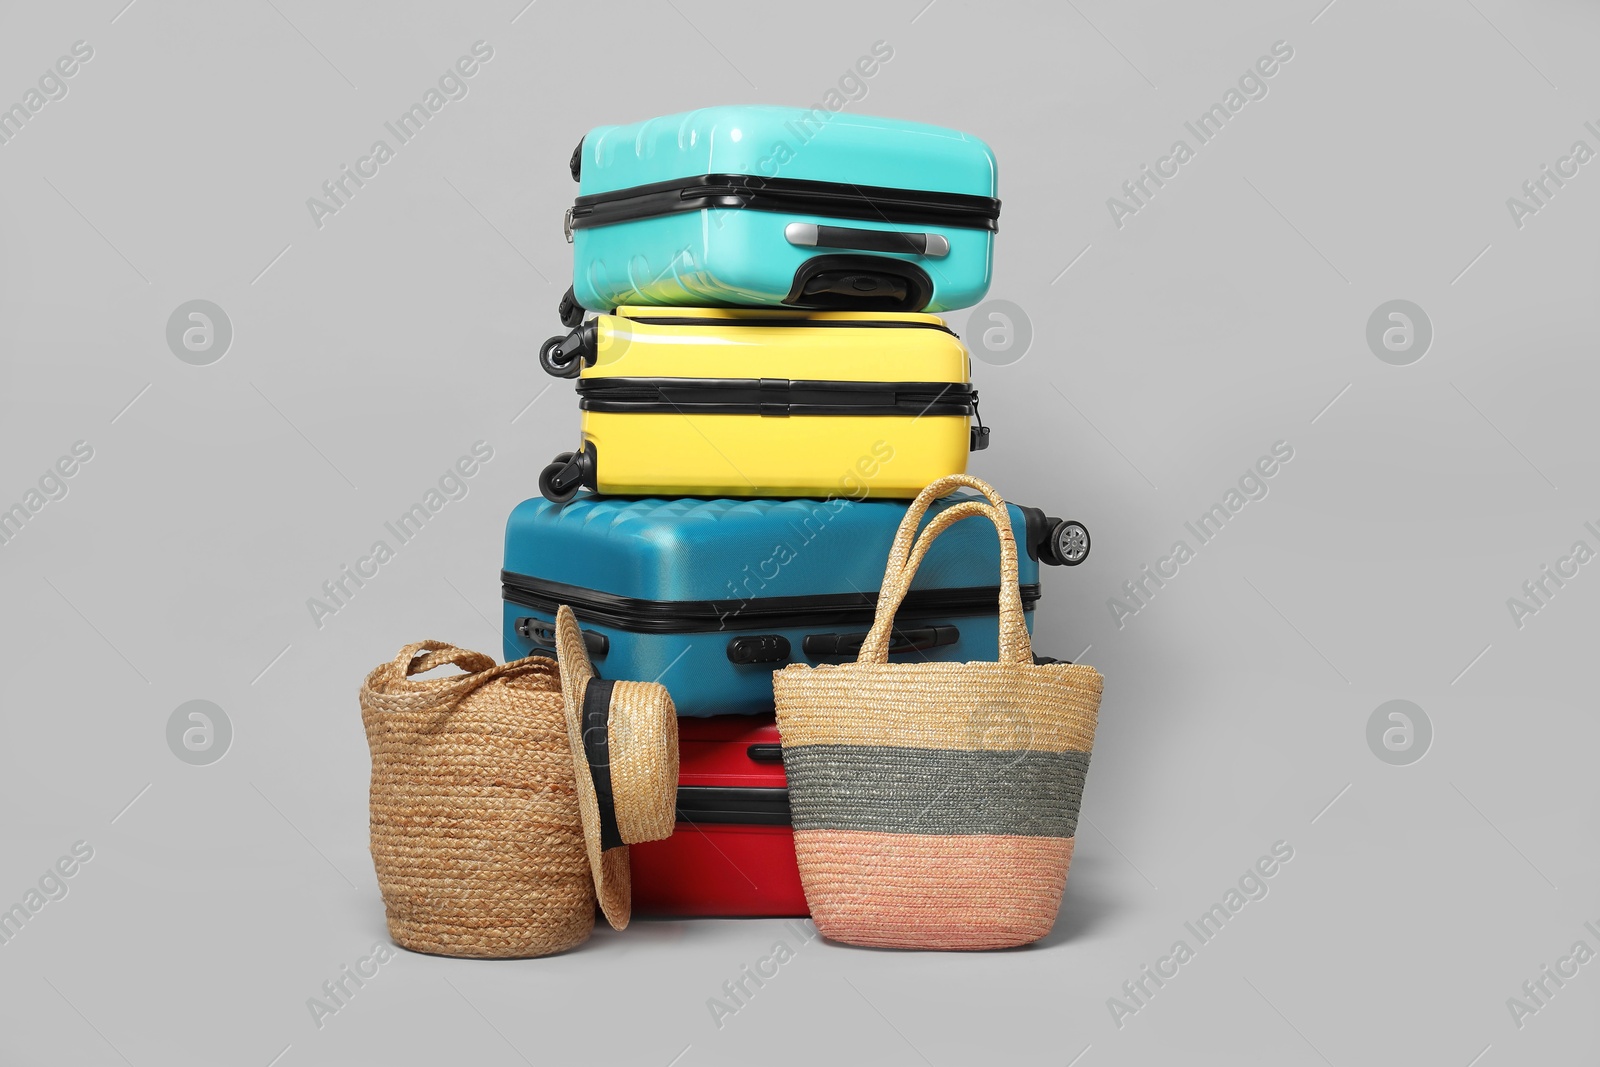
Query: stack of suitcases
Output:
(766,384)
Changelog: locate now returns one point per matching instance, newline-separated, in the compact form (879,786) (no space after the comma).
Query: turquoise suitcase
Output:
(709,597)
(778,206)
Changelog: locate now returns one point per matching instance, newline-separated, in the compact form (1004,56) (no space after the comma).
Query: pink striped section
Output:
(933,892)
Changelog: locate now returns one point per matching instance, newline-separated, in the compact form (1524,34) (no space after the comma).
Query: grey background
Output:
(1225,316)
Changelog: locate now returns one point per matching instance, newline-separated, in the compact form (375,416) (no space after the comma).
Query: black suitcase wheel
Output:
(1069,543)
(559,364)
(569,309)
(576,166)
(561,478)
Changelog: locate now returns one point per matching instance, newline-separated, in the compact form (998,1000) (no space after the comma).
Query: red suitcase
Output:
(732,852)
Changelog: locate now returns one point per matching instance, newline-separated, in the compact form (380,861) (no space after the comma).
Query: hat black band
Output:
(597,750)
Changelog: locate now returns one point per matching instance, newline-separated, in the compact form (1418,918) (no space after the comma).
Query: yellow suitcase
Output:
(764,403)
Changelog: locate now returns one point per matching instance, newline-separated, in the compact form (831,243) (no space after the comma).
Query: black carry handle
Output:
(733,804)
(765,753)
(544,634)
(839,281)
(916,640)
(811,235)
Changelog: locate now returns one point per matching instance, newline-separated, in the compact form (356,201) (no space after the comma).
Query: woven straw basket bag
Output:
(476,833)
(935,804)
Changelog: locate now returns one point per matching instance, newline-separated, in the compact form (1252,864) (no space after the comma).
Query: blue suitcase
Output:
(709,597)
(765,206)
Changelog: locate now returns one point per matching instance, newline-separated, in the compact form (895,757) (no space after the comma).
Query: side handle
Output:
(811,235)
(543,634)
(913,640)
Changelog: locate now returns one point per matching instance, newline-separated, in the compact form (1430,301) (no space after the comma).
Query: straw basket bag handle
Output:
(395,688)
(906,555)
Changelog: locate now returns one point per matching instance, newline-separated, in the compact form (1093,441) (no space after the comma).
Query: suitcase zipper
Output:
(778,397)
(800,320)
(854,610)
(565,357)
(797,196)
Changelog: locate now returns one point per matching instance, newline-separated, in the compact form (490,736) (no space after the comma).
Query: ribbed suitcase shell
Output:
(743,557)
(718,861)
(741,256)
(684,449)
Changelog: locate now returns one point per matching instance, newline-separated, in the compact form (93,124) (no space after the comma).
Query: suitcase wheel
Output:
(1068,545)
(559,363)
(576,166)
(564,476)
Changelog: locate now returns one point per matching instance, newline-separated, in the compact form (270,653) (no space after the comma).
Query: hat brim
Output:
(613,882)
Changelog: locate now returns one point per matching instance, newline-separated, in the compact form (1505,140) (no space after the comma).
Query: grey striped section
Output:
(884,789)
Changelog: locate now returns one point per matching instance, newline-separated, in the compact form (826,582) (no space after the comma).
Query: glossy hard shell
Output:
(739,256)
(683,452)
(738,552)
(728,869)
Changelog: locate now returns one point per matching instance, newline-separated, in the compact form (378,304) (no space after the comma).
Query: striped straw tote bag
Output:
(934,804)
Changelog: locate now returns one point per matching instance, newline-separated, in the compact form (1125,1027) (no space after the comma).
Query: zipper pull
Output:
(566,225)
(979,439)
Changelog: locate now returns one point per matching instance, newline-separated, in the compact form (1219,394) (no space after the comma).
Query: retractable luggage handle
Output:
(811,235)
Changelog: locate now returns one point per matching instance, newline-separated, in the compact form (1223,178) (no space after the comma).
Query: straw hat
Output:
(624,738)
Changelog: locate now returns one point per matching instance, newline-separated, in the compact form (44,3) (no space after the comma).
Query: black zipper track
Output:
(798,321)
(775,397)
(871,203)
(855,610)
(733,804)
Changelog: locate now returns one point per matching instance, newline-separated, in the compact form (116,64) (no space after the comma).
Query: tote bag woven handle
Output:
(907,533)
(1015,647)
